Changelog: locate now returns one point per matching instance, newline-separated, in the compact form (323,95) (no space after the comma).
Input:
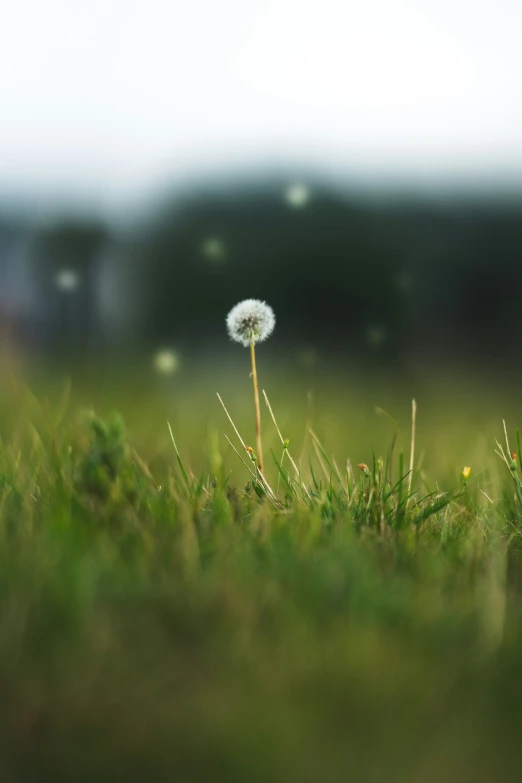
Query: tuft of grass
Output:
(160,625)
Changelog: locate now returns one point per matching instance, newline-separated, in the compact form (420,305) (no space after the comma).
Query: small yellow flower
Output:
(466,472)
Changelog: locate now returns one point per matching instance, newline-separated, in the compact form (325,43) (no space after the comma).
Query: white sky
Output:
(112,96)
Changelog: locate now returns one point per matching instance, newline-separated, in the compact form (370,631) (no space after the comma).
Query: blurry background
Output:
(356,164)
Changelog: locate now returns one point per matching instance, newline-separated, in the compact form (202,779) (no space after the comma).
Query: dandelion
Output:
(248,323)
(466,473)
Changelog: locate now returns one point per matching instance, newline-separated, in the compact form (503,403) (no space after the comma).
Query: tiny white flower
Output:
(67,280)
(250,321)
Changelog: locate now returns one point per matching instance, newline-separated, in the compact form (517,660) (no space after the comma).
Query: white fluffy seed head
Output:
(251,321)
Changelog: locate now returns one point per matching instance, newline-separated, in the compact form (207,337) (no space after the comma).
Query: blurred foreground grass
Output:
(151,630)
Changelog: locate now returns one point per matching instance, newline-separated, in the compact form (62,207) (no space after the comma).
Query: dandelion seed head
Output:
(250,321)
(67,280)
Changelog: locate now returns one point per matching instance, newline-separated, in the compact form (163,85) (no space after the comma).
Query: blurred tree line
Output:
(394,276)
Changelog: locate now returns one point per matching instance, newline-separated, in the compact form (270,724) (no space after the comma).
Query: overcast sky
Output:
(112,97)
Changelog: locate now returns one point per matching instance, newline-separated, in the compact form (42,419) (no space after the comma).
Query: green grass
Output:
(165,617)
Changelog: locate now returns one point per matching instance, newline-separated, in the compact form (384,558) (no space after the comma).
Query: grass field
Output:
(168,618)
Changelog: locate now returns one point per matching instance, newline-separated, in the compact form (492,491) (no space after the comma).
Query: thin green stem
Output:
(259,447)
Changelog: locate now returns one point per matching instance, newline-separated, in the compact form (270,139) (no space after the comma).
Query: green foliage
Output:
(100,466)
(155,625)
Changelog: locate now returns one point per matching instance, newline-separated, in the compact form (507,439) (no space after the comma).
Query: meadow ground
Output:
(168,619)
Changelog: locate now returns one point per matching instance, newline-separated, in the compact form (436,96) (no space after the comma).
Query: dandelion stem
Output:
(257,408)
(412,448)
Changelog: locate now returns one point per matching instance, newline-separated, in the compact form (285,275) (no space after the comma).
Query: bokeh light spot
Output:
(67,280)
(297,196)
(166,361)
(376,336)
(214,250)
(403,281)
(308,358)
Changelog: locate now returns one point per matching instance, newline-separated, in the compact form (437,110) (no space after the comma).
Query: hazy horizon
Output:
(108,103)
